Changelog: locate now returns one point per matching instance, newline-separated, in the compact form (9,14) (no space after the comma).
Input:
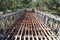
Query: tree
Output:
(26,2)
(57,4)
(3,5)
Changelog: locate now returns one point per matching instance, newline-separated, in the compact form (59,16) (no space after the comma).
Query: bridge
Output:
(26,24)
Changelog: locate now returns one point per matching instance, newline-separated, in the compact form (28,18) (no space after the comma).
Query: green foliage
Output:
(52,6)
(26,1)
(8,5)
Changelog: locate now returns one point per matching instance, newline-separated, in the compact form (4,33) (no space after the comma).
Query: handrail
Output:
(49,15)
(8,14)
(10,18)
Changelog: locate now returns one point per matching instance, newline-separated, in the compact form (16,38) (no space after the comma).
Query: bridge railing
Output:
(8,19)
(50,20)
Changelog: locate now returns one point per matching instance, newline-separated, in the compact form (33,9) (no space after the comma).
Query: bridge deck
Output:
(29,27)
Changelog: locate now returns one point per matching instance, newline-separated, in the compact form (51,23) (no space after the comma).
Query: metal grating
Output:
(30,27)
